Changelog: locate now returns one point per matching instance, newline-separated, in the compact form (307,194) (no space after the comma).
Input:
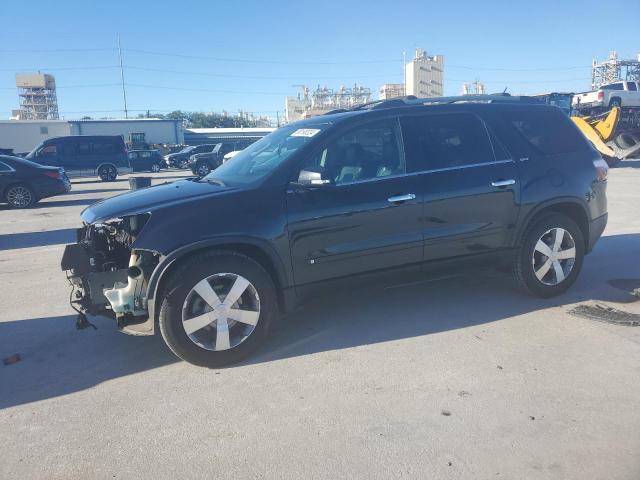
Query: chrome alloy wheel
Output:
(221,311)
(19,196)
(554,256)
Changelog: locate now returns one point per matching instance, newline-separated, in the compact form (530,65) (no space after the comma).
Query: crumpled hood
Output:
(150,199)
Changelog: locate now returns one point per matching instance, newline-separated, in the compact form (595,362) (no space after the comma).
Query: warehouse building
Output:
(23,135)
(200,136)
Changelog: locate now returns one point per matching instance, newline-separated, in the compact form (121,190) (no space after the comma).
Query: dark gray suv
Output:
(359,193)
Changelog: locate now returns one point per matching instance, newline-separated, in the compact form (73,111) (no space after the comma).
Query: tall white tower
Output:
(38,99)
(425,75)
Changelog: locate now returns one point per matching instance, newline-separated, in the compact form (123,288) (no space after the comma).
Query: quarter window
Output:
(547,131)
(103,148)
(367,152)
(434,142)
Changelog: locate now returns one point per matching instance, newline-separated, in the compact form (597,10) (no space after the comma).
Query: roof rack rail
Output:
(412,100)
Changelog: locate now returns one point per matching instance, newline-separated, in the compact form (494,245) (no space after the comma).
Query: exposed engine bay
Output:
(107,275)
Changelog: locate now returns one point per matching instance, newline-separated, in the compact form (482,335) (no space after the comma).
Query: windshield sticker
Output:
(305,132)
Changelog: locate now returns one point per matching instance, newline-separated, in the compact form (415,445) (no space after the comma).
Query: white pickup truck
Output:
(618,94)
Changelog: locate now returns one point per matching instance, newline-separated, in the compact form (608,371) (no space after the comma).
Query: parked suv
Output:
(396,184)
(202,163)
(181,159)
(84,155)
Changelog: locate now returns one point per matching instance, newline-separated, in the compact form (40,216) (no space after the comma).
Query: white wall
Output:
(24,135)
(156,131)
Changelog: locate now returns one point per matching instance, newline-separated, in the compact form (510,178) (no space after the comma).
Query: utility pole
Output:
(124,92)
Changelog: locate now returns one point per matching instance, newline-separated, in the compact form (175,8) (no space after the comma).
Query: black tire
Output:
(523,267)
(181,282)
(615,102)
(20,195)
(183,164)
(107,173)
(155,168)
(625,140)
(202,170)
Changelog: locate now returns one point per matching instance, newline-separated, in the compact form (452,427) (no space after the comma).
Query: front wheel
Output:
(155,168)
(183,164)
(217,308)
(550,257)
(203,170)
(107,173)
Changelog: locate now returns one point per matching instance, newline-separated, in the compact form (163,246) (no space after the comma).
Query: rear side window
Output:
(632,86)
(83,148)
(103,148)
(454,140)
(547,131)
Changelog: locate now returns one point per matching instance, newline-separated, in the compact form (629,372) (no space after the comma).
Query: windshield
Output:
(264,156)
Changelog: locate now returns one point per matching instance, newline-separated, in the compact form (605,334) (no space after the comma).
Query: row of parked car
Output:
(202,159)
(46,170)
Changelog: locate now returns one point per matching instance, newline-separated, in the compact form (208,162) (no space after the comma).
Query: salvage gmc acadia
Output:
(354,193)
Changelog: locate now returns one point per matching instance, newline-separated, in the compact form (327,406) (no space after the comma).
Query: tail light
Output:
(600,95)
(602,169)
(57,175)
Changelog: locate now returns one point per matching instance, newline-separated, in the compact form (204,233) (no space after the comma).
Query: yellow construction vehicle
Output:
(599,129)
(615,133)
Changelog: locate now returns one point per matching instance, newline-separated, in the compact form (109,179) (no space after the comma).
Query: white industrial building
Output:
(425,75)
(23,135)
(391,90)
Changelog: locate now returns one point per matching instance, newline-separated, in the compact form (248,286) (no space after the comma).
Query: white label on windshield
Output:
(305,132)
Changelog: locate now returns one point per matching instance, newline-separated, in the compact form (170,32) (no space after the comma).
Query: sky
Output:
(231,55)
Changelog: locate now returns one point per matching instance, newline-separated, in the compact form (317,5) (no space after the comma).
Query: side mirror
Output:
(312,178)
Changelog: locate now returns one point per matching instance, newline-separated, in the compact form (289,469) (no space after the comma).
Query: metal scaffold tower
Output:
(611,70)
(38,99)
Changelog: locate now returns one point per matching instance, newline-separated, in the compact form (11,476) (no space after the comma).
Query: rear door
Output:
(470,187)
(7,177)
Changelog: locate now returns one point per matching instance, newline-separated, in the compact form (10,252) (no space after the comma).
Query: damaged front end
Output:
(110,277)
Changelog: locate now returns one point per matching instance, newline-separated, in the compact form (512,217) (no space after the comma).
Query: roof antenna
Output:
(505,90)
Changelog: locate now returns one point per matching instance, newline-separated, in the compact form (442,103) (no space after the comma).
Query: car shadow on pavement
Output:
(58,360)
(97,190)
(12,241)
(65,203)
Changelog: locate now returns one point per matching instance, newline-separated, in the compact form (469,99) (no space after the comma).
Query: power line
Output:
(244,60)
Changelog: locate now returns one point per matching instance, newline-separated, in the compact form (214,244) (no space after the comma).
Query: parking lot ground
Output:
(460,377)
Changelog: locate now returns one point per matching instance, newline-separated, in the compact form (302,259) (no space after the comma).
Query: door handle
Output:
(401,198)
(503,183)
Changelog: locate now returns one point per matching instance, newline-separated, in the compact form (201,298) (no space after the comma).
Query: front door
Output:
(366,214)
(469,184)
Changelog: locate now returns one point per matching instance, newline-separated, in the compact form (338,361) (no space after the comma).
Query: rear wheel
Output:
(155,167)
(20,196)
(183,164)
(107,173)
(217,309)
(550,257)
(615,102)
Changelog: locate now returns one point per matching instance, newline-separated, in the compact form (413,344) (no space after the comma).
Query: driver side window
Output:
(367,152)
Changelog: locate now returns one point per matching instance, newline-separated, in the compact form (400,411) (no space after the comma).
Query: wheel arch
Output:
(613,99)
(104,164)
(571,207)
(257,250)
